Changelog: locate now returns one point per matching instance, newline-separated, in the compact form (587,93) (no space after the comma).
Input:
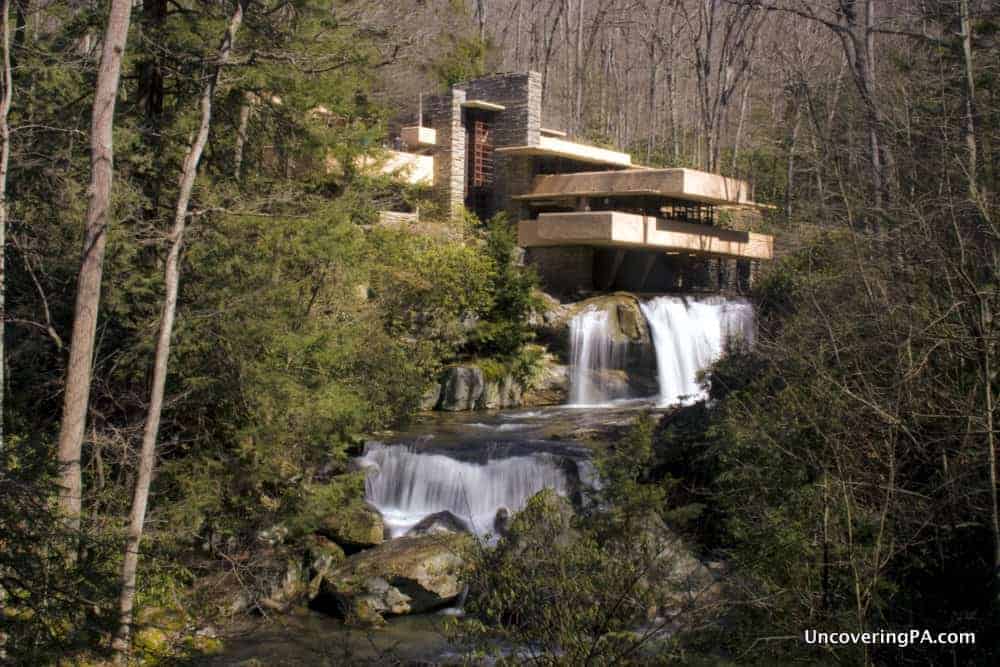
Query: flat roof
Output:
(483,104)
(683,184)
(555,147)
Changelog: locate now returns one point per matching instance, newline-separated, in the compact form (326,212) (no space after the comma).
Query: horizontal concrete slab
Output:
(408,167)
(416,136)
(684,184)
(483,104)
(616,229)
(555,147)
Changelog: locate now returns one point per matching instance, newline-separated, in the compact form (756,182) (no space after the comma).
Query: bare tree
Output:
(969,82)
(722,39)
(853,22)
(88,289)
(5,100)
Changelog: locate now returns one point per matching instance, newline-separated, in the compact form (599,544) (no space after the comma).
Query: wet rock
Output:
(440,522)
(499,394)
(363,465)
(408,575)
(550,386)
(501,522)
(322,555)
(628,324)
(431,397)
(288,588)
(462,388)
(354,528)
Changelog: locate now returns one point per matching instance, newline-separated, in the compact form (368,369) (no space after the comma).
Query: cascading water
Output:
(595,355)
(410,485)
(690,334)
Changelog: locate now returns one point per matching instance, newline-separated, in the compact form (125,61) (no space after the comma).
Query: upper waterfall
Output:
(595,355)
(690,334)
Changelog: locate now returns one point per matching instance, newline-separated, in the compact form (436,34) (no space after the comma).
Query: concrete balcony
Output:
(688,185)
(416,137)
(627,230)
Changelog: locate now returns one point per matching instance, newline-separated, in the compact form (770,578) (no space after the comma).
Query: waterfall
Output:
(690,334)
(410,485)
(595,356)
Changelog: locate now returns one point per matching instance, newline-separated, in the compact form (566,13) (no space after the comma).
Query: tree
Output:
(5,100)
(95,237)
(161,356)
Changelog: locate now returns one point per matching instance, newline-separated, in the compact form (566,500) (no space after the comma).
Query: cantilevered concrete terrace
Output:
(629,230)
(683,184)
(629,204)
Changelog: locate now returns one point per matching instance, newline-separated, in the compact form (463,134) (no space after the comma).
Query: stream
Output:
(476,464)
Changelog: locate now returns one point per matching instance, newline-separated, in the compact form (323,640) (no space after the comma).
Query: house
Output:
(588,218)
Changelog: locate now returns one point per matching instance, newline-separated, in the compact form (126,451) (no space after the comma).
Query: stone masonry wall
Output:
(563,269)
(519,124)
(444,114)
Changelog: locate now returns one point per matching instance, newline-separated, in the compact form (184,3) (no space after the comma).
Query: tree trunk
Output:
(88,289)
(578,70)
(744,102)
(985,329)
(5,100)
(793,140)
(147,456)
(241,136)
(970,97)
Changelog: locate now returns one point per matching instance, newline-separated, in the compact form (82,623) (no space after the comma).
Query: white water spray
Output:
(410,485)
(691,334)
(595,356)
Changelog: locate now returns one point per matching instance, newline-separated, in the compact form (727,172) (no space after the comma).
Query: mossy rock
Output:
(354,528)
(322,555)
(408,575)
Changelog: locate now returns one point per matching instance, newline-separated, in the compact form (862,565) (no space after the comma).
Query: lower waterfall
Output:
(595,355)
(409,485)
(689,334)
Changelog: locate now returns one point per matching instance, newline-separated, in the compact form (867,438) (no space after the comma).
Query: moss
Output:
(493,369)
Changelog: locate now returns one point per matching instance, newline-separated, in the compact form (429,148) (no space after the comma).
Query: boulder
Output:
(439,522)
(322,555)
(501,522)
(431,397)
(498,394)
(628,324)
(550,385)
(354,528)
(408,575)
(462,388)
(287,587)
(545,522)
(680,578)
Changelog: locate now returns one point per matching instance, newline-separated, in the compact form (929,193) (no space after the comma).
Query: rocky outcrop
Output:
(680,579)
(322,555)
(546,522)
(286,586)
(354,528)
(550,384)
(461,388)
(437,523)
(466,387)
(407,575)
(501,522)
(503,393)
